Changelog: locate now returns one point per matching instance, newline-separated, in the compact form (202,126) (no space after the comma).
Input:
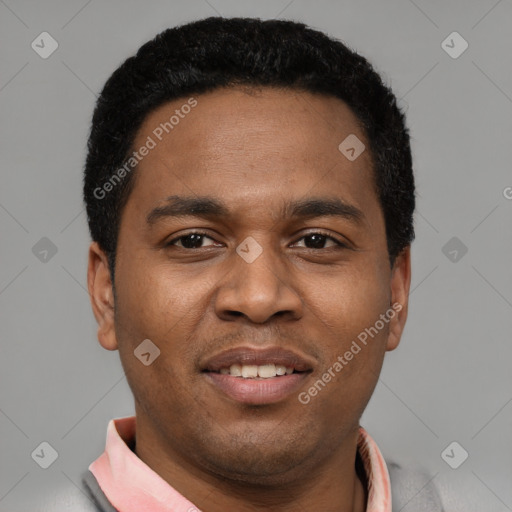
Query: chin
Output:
(259,461)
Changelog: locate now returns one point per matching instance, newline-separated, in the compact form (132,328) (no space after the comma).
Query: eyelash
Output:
(340,245)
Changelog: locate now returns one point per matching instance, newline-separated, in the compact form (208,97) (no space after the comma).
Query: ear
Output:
(102,296)
(400,284)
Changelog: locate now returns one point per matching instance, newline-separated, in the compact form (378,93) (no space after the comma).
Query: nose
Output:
(258,291)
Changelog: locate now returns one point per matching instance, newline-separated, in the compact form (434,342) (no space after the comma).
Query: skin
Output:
(255,150)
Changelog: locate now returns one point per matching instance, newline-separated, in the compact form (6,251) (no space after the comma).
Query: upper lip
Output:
(253,356)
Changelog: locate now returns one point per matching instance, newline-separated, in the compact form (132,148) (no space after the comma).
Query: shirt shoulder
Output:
(413,489)
(85,497)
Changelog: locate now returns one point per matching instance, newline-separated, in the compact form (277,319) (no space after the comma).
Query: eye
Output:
(195,239)
(192,240)
(318,239)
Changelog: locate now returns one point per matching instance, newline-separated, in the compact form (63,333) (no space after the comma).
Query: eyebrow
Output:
(208,207)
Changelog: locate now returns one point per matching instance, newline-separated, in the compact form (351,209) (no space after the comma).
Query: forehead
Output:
(256,144)
(220,120)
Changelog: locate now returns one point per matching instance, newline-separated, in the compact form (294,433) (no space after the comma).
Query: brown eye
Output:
(190,240)
(318,240)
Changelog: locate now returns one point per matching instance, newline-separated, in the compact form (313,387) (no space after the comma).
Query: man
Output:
(250,194)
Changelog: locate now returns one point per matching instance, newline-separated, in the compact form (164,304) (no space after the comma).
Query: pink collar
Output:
(131,485)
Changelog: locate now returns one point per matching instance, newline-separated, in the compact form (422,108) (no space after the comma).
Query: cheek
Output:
(348,310)
(167,308)
(349,300)
(164,308)
(157,303)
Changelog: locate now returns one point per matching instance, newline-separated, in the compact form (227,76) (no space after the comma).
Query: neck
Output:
(330,485)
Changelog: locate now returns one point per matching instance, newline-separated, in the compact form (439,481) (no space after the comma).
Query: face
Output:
(251,244)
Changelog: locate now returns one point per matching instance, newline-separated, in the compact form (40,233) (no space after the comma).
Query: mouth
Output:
(253,371)
(257,377)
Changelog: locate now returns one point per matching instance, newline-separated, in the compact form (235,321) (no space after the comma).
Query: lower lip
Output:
(257,391)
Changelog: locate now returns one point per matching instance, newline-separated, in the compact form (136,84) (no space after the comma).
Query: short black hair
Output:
(217,52)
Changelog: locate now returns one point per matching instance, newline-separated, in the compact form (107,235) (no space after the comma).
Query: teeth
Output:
(235,370)
(252,371)
(249,371)
(280,370)
(267,370)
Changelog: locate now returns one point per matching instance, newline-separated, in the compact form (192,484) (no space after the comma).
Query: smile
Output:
(257,377)
(252,371)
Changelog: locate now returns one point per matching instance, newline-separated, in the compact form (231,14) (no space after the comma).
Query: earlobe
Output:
(400,285)
(102,296)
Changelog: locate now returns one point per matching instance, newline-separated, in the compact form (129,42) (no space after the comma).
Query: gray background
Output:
(449,380)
